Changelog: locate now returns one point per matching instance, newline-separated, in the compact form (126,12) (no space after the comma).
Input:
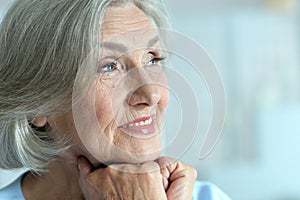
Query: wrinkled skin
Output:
(162,179)
(142,174)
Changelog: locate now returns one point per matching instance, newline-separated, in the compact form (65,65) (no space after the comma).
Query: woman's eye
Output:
(109,67)
(155,61)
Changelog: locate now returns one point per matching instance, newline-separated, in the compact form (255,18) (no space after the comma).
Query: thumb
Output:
(84,166)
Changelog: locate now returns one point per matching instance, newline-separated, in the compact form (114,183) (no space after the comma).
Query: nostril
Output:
(141,106)
(137,100)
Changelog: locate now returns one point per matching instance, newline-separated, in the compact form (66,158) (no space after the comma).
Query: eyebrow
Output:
(122,48)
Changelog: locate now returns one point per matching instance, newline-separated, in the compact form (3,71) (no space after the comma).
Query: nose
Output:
(146,95)
(147,92)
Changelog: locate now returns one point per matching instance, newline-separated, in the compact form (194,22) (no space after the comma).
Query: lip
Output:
(140,130)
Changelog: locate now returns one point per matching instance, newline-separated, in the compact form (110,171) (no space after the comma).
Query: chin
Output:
(136,153)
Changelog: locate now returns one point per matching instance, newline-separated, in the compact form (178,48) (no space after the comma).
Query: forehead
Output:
(126,21)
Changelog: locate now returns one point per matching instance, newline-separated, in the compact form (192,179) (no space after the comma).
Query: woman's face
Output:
(120,118)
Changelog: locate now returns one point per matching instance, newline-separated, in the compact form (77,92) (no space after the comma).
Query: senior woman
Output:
(63,114)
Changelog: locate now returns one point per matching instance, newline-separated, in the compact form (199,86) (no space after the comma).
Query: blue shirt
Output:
(202,191)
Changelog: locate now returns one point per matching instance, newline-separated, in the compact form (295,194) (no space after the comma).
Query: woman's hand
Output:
(126,181)
(166,178)
(178,178)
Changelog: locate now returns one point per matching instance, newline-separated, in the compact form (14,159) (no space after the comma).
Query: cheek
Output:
(106,106)
(103,107)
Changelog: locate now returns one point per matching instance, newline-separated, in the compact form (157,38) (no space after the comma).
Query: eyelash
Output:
(157,59)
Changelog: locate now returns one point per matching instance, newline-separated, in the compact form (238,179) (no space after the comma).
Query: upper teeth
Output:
(141,123)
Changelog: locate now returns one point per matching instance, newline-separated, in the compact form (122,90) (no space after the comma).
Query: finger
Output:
(167,165)
(182,180)
(165,161)
(179,170)
(165,183)
(84,166)
(179,174)
(179,189)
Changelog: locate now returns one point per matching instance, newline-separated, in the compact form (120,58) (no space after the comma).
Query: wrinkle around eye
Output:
(109,82)
(110,78)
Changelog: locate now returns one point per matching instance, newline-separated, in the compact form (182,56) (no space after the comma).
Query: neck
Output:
(60,182)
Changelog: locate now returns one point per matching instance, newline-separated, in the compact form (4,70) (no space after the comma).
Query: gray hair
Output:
(42,45)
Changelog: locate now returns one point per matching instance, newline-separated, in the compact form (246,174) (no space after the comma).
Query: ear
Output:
(40,121)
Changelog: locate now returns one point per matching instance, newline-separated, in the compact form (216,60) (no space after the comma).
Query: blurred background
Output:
(255,45)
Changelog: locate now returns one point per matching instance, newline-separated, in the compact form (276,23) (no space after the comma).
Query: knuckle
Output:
(191,171)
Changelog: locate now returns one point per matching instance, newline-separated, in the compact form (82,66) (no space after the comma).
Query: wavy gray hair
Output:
(42,45)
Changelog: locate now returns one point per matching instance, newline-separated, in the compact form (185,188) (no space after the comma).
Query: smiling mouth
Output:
(143,121)
(141,126)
